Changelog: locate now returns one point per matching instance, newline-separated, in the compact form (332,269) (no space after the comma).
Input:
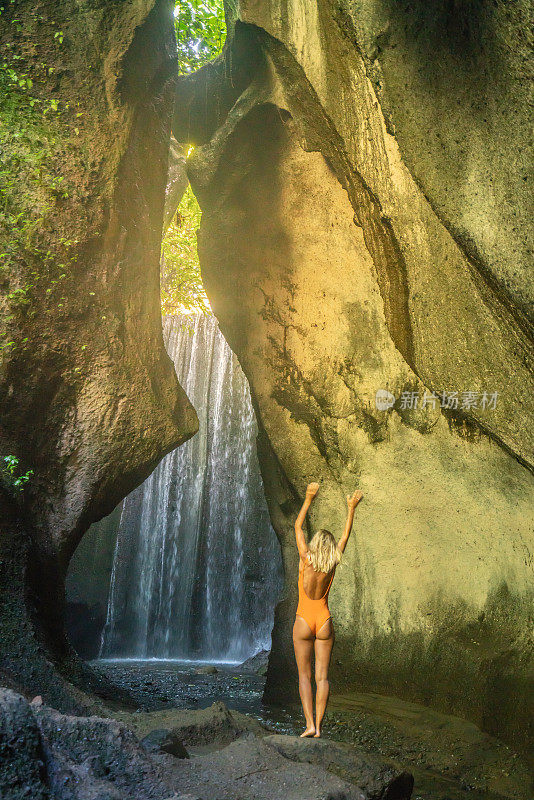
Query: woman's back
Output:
(315,583)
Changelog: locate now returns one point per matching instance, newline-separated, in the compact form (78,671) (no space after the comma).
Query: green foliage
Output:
(8,474)
(181,282)
(200,32)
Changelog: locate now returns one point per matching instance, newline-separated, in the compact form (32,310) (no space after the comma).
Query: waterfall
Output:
(197,567)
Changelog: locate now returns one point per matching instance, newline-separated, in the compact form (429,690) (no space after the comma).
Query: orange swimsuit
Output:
(315,612)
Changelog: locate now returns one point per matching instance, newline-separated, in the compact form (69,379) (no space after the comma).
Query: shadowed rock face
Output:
(90,400)
(47,754)
(342,257)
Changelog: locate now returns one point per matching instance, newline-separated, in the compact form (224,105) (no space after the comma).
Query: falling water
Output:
(197,567)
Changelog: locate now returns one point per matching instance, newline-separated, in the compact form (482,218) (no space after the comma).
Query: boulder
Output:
(213,725)
(377,778)
(162,740)
(256,663)
(22,767)
(250,769)
(93,750)
(45,754)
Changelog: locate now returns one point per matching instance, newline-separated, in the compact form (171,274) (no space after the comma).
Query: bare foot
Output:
(316,736)
(308,732)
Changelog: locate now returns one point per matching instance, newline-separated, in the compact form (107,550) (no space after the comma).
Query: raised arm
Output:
(352,502)
(311,491)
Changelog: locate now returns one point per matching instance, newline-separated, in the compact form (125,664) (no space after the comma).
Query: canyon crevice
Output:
(342,255)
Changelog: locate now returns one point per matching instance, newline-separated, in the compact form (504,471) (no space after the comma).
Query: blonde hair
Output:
(324,552)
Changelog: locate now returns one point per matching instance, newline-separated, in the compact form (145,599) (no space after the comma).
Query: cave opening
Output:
(187,567)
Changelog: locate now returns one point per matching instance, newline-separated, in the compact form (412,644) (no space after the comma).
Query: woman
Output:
(313,628)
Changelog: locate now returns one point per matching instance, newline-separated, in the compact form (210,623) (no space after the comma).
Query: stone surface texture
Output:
(361,167)
(89,397)
(362,230)
(45,754)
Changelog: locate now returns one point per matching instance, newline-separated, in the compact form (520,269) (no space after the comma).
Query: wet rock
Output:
(92,758)
(87,585)
(21,755)
(256,663)
(185,797)
(84,625)
(47,755)
(376,778)
(162,740)
(209,669)
(252,770)
(213,725)
(71,781)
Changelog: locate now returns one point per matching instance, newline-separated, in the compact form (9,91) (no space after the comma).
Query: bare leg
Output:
(323,650)
(303,644)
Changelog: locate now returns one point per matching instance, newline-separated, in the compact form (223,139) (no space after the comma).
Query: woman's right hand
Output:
(352,501)
(312,489)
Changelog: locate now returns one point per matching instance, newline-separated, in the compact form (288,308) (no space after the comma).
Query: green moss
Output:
(33,260)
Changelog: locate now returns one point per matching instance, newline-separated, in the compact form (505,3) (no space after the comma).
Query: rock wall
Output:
(361,172)
(348,244)
(89,397)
